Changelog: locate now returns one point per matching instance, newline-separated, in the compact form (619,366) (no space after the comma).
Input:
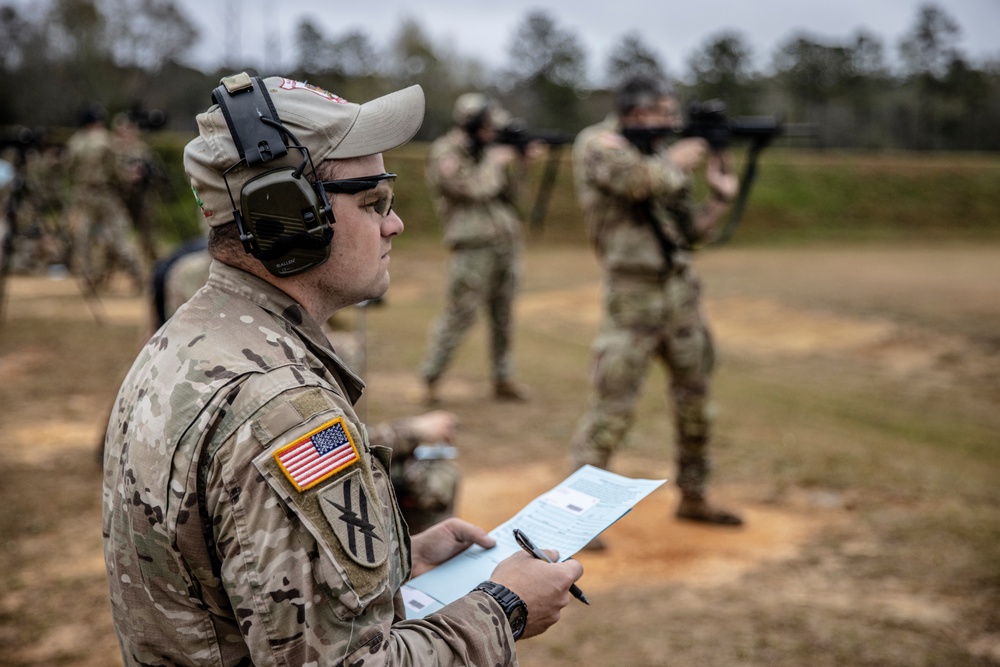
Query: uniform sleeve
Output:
(472,630)
(611,164)
(312,549)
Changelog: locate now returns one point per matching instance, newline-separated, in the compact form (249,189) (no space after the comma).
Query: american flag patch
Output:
(317,455)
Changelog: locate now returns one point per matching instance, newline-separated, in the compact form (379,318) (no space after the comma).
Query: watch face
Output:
(518,618)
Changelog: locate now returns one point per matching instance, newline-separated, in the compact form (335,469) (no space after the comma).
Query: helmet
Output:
(470,108)
(473,109)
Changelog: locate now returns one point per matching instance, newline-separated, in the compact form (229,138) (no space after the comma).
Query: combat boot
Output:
(695,508)
(505,390)
(692,475)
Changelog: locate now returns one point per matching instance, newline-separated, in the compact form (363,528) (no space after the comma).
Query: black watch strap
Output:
(513,606)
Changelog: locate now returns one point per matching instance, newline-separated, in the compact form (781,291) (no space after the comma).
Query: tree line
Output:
(58,55)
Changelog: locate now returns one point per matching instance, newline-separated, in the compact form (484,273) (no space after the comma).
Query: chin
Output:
(379,291)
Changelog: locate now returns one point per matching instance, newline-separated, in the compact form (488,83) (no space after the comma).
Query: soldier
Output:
(247,517)
(98,220)
(136,165)
(424,478)
(473,185)
(635,193)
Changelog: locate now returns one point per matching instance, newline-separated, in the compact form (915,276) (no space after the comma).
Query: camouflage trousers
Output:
(485,277)
(102,239)
(646,319)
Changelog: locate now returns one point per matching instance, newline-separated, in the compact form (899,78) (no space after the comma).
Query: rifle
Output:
(517,135)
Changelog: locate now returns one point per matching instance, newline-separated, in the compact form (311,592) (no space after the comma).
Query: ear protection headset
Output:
(283,220)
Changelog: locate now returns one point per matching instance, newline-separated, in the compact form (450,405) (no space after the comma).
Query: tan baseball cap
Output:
(328,125)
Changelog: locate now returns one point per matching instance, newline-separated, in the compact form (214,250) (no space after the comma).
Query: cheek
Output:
(357,247)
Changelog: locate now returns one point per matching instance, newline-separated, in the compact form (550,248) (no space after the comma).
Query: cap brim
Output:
(384,123)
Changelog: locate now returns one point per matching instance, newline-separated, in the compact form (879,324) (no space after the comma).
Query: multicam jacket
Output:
(475,199)
(618,188)
(247,519)
(92,160)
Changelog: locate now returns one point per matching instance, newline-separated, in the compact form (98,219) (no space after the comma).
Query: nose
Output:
(392,225)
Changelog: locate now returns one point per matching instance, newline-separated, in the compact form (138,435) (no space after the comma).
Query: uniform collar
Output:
(268,297)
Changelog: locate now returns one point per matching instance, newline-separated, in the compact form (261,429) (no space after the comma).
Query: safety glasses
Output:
(352,186)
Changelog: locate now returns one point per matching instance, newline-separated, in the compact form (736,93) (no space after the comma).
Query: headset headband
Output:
(245,104)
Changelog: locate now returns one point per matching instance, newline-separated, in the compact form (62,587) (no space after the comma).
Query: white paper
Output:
(565,518)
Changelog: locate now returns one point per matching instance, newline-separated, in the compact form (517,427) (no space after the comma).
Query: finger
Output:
(468,533)
(575,568)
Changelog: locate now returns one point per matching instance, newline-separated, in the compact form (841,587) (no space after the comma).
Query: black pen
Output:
(530,547)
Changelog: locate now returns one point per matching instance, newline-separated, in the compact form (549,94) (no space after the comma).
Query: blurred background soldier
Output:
(423,476)
(46,202)
(98,220)
(136,167)
(635,190)
(34,208)
(473,185)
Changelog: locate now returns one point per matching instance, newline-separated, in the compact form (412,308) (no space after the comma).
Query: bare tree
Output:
(147,33)
(723,69)
(311,49)
(931,45)
(629,57)
(540,49)
(546,69)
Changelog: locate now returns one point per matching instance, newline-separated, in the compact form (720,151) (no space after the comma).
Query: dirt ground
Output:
(858,397)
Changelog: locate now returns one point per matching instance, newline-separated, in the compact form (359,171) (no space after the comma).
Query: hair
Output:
(224,244)
(327,170)
(640,92)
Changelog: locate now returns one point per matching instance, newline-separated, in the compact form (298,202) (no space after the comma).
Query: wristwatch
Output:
(512,605)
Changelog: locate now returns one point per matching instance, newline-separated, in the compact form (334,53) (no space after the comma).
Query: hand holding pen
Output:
(530,547)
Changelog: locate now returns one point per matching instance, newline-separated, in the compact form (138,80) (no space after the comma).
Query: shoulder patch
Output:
(317,455)
(355,520)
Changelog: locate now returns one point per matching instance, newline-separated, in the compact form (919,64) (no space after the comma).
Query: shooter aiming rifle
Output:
(517,135)
(708,120)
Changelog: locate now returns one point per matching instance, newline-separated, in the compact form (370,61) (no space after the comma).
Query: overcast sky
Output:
(483,30)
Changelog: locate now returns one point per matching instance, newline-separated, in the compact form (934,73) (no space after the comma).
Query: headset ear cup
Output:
(286,220)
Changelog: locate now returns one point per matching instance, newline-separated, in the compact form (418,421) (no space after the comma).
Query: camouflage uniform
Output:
(425,490)
(98,219)
(135,164)
(474,199)
(651,305)
(47,196)
(218,551)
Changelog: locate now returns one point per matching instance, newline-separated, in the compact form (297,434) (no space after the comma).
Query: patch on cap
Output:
(289,84)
